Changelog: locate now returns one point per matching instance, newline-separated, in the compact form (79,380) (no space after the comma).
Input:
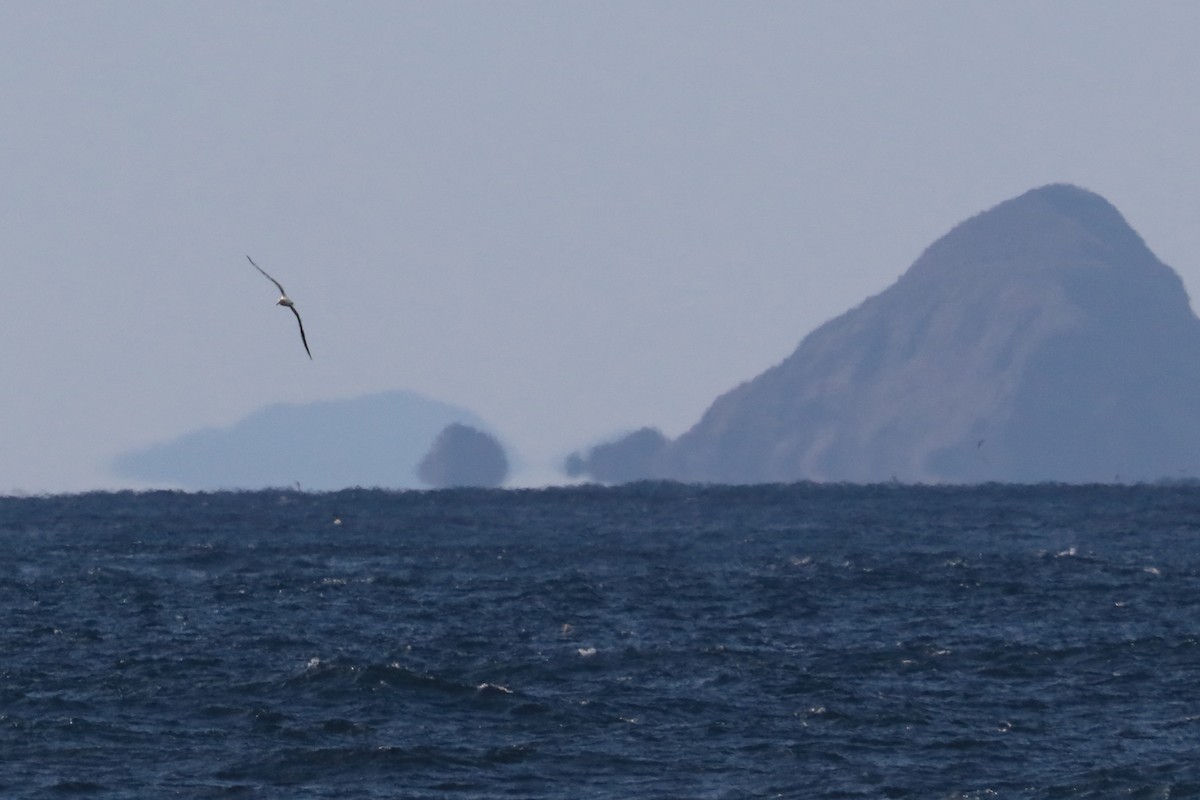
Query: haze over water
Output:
(572,219)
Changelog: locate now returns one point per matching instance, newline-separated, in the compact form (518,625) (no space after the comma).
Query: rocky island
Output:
(1040,340)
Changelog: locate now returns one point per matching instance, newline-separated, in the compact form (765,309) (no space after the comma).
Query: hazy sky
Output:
(573,218)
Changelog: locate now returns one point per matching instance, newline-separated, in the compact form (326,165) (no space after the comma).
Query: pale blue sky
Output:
(572,218)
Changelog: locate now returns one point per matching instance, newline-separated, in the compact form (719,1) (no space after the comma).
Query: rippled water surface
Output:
(650,641)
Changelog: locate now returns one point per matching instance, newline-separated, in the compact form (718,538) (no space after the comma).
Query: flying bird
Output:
(285,301)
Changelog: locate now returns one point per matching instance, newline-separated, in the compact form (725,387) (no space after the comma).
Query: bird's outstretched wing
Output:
(264,272)
(303,338)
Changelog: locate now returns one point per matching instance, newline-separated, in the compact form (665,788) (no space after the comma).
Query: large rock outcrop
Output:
(1038,341)
(627,459)
(463,456)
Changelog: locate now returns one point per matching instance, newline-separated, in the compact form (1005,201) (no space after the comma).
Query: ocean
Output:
(645,641)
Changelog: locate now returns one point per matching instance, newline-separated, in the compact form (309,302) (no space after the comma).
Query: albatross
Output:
(285,301)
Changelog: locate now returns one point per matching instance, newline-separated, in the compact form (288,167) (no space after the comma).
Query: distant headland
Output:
(375,440)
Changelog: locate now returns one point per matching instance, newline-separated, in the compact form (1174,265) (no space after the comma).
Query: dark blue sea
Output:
(647,641)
